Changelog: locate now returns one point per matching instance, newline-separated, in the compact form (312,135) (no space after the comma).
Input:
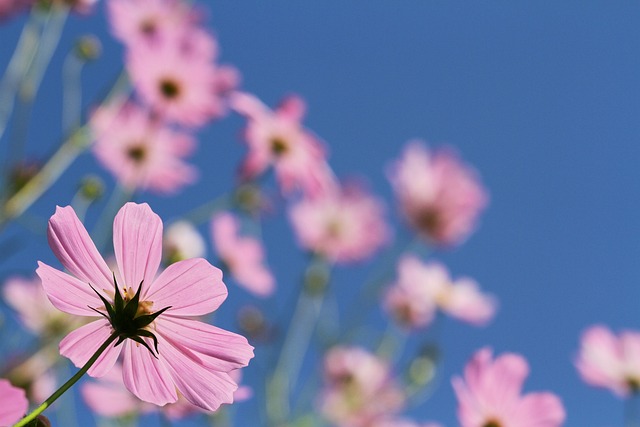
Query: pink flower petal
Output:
(201,386)
(14,403)
(147,377)
(137,242)
(83,342)
(67,293)
(541,410)
(219,349)
(74,248)
(109,401)
(191,287)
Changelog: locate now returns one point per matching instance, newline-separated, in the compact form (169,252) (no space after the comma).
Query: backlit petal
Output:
(67,293)
(82,343)
(147,377)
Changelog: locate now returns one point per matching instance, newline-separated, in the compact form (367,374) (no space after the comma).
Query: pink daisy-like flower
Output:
(490,395)
(243,255)
(140,152)
(440,196)
(180,83)
(610,361)
(14,403)
(277,139)
(359,388)
(148,21)
(165,350)
(345,224)
(423,288)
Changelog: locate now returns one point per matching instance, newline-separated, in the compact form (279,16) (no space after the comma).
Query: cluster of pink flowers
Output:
(422,288)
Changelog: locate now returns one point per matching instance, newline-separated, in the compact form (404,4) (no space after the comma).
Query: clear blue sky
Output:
(542,97)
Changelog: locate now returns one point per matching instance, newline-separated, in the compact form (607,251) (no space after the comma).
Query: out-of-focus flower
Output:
(180,83)
(345,224)
(490,395)
(401,422)
(35,311)
(440,196)
(359,389)
(9,8)
(242,255)
(149,21)
(35,375)
(422,288)
(182,241)
(142,153)
(165,349)
(14,403)
(610,361)
(278,139)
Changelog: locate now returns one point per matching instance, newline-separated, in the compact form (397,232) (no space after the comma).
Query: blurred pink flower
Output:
(193,358)
(422,288)
(490,395)
(610,361)
(243,255)
(400,422)
(440,196)
(359,389)
(277,138)
(14,403)
(28,299)
(345,224)
(10,7)
(183,241)
(140,152)
(179,80)
(148,21)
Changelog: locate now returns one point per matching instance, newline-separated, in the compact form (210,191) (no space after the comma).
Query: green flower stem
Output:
(40,409)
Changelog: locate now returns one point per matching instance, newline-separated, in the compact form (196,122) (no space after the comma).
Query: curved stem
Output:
(32,416)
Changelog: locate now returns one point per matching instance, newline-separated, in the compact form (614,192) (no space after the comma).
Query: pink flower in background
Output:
(10,7)
(14,403)
(359,389)
(401,422)
(177,352)
(140,152)
(490,395)
(440,196)
(149,21)
(243,255)
(422,288)
(277,139)
(183,241)
(28,299)
(344,225)
(610,361)
(180,83)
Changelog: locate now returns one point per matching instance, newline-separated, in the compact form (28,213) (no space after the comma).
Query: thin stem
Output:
(66,386)
(297,340)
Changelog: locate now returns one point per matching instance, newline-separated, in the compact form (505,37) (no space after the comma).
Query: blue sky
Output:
(543,98)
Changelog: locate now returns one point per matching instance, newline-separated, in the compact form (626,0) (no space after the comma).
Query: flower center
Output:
(137,153)
(148,27)
(633,384)
(278,146)
(169,88)
(492,423)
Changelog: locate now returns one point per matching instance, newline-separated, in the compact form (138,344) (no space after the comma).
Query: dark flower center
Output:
(137,153)
(148,27)
(169,88)
(129,317)
(429,220)
(633,384)
(278,146)
(492,423)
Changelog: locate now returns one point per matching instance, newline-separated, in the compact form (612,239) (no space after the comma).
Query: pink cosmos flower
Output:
(243,255)
(423,288)
(183,241)
(359,389)
(28,299)
(148,21)
(610,361)
(165,350)
(490,395)
(344,225)
(108,397)
(14,403)
(440,196)
(179,80)
(140,152)
(277,139)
